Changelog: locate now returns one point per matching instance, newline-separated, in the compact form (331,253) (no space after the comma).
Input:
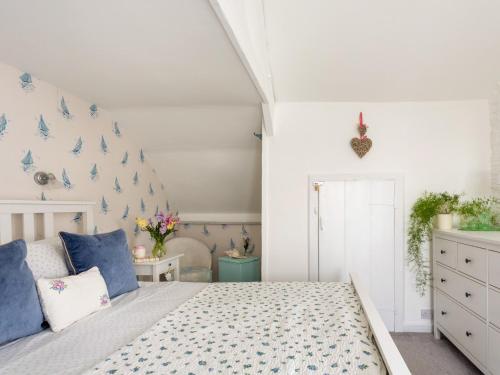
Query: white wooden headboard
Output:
(28,210)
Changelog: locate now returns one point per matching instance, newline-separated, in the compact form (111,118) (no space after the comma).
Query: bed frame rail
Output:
(28,210)
(393,360)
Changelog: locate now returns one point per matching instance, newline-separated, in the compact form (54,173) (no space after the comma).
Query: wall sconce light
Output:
(43,178)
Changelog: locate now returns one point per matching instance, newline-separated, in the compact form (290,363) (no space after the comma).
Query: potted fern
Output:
(422,218)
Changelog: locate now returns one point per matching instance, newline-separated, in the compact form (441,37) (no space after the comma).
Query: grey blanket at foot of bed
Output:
(89,341)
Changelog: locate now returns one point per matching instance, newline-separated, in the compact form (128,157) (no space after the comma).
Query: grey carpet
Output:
(426,356)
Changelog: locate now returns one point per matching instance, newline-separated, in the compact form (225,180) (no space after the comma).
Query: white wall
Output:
(435,145)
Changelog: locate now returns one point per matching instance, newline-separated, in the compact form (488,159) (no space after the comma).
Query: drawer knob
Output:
(443,251)
(443,280)
(467,294)
(443,313)
(468,260)
(468,333)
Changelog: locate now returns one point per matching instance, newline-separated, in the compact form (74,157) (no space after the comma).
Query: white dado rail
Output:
(28,210)
(466,268)
(221,218)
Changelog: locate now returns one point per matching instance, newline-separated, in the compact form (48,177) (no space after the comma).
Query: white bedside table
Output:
(156,268)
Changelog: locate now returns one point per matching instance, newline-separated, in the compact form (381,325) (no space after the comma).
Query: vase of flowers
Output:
(158,227)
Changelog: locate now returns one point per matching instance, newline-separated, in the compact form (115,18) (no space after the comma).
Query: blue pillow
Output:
(20,311)
(109,252)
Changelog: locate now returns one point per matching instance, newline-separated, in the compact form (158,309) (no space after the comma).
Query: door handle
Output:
(443,312)
(468,260)
(467,294)
(443,251)
(468,333)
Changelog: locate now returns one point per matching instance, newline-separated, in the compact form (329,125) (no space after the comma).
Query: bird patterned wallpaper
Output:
(43,128)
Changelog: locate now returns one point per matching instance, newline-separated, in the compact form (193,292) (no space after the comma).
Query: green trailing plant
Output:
(420,230)
(478,214)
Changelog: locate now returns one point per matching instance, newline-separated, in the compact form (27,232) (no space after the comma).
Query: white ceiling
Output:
(121,53)
(384,50)
(192,128)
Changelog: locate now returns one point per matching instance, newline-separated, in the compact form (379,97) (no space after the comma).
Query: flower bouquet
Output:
(158,227)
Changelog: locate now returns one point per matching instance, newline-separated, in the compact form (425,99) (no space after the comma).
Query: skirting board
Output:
(417,326)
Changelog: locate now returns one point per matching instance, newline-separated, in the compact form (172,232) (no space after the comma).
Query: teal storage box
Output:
(246,269)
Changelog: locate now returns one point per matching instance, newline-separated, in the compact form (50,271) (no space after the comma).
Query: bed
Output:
(197,328)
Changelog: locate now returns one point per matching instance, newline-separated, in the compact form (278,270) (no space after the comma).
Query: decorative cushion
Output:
(46,258)
(20,311)
(109,252)
(68,299)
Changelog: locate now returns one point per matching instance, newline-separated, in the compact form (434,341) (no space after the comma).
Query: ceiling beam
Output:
(258,77)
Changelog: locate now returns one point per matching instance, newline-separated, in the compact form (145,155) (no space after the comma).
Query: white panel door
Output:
(356,234)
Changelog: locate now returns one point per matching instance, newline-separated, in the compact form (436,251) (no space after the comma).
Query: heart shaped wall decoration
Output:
(363,144)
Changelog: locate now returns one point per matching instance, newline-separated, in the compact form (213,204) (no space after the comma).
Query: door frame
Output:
(399,232)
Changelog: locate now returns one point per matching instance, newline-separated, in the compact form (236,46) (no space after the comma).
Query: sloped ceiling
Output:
(385,50)
(169,73)
(122,53)
(208,156)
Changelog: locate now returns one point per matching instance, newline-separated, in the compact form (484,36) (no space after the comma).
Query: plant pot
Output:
(444,221)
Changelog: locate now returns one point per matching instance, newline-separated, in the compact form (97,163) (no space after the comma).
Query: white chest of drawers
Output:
(466,293)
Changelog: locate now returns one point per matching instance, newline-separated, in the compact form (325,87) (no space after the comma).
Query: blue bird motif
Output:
(43,129)
(136,178)
(141,156)
(258,135)
(64,109)
(213,249)
(151,191)
(77,149)
(43,197)
(205,230)
(93,173)
(93,111)
(116,129)
(104,146)
(117,186)
(66,181)
(104,206)
(3,124)
(231,244)
(136,230)
(125,158)
(27,162)
(125,213)
(243,230)
(77,218)
(26,82)
(143,206)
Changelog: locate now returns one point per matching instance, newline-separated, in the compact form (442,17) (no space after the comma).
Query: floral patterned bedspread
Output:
(256,328)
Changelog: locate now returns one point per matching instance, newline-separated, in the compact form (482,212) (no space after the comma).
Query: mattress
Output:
(256,328)
(85,343)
